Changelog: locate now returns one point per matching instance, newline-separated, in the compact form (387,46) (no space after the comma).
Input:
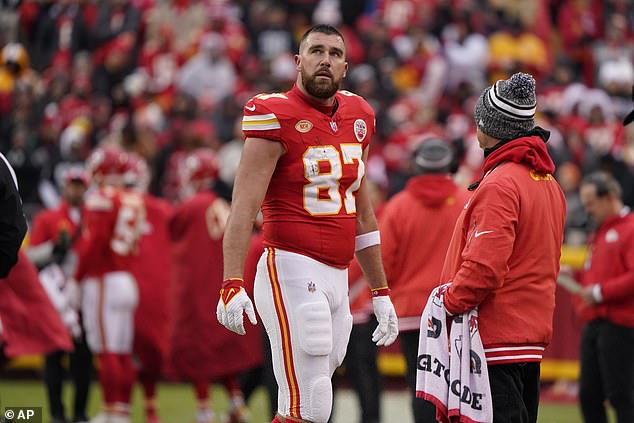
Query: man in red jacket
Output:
(416,227)
(607,343)
(504,255)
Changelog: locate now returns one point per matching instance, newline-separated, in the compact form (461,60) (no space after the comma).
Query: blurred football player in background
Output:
(112,225)
(201,350)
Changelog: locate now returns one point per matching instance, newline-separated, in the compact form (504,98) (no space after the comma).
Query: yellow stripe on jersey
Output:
(260,122)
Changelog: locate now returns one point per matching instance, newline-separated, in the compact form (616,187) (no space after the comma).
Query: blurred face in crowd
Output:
(322,64)
(74,192)
(598,207)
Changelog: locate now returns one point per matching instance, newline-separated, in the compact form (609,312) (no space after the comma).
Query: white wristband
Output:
(366,240)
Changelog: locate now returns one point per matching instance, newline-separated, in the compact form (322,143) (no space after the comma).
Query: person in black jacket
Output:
(12,220)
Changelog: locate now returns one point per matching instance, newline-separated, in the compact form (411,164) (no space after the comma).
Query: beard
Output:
(322,88)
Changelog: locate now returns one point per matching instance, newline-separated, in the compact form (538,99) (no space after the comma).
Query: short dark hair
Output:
(604,183)
(323,29)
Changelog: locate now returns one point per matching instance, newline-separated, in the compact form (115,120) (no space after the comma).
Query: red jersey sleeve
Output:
(492,221)
(260,120)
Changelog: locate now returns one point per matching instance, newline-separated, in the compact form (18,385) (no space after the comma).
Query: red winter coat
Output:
(504,255)
(416,227)
(611,265)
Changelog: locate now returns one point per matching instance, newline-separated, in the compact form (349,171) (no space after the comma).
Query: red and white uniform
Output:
(310,204)
(200,348)
(29,323)
(152,269)
(112,225)
(309,234)
(504,254)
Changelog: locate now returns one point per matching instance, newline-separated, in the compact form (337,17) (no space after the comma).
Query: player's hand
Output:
(233,302)
(387,330)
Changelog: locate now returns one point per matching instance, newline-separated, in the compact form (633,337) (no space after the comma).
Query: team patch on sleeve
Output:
(260,122)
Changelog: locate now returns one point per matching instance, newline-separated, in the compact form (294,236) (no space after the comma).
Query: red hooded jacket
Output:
(504,255)
(611,265)
(416,227)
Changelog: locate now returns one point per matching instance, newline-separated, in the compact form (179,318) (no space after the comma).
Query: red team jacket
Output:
(611,265)
(49,224)
(112,224)
(416,227)
(309,207)
(504,254)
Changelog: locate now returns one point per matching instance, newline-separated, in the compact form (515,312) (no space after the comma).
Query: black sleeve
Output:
(12,220)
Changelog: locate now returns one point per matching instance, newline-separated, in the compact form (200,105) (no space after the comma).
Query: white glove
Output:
(387,330)
(230,314)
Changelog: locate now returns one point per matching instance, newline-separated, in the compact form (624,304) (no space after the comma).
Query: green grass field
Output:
(177,405)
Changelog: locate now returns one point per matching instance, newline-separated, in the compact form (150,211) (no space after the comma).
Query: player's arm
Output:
(258,161)
(368,253)
(257,164)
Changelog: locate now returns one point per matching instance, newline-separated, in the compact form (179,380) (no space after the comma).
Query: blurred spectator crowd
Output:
(162,78)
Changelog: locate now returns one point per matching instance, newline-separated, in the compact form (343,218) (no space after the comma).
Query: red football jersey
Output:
(310,205)
(200,347)
(112,224)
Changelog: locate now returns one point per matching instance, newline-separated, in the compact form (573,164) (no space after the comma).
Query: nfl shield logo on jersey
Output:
(360,129)
(333,126)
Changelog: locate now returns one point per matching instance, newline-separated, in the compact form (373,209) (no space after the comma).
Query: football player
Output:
(303,163)
(112,224)
(201,350)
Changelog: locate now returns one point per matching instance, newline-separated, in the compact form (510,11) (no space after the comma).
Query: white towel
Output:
(452,371)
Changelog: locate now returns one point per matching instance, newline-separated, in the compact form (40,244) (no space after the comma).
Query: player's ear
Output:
(345,69)
(298,62)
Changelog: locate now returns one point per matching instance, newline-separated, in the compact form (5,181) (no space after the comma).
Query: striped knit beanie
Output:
(506,110)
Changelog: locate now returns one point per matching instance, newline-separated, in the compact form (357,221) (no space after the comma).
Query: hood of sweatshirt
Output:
(431,189)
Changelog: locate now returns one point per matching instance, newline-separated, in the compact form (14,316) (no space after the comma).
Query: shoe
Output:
(118,418)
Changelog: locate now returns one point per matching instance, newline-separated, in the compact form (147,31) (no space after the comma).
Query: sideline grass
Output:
(176,404)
